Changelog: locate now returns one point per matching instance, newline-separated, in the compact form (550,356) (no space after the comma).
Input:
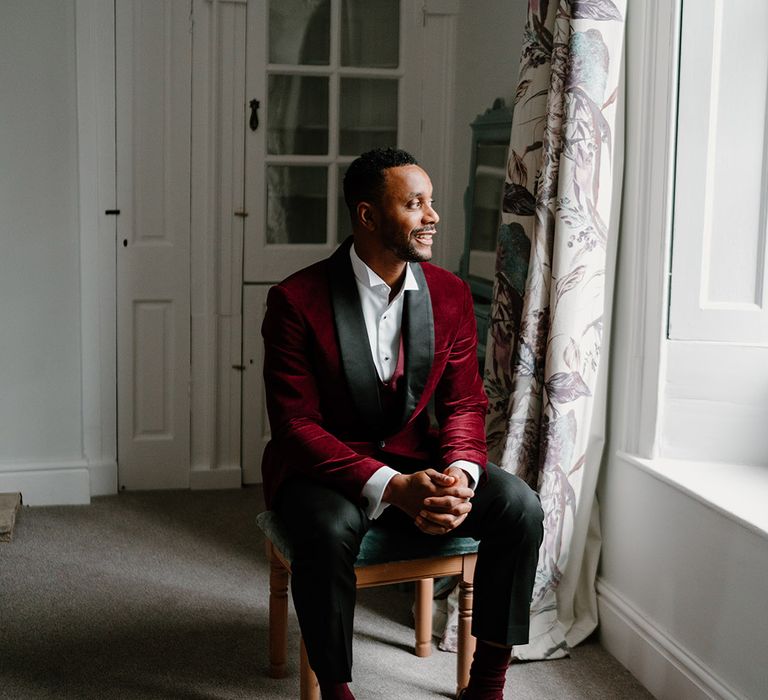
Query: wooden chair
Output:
(385,557)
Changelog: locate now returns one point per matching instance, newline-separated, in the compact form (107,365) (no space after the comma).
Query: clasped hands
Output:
(437,501)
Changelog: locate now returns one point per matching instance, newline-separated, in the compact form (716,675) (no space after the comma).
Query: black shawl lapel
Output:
(418,342)
(353,339)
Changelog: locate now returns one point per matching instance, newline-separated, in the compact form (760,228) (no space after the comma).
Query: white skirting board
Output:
(103,478)
(49,484)
(59,484)
(220,478)
(73,483)
(664,667)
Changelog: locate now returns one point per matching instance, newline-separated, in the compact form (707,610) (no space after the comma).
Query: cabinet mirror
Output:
(482,207)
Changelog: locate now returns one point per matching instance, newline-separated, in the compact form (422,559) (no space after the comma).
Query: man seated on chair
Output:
(356,348)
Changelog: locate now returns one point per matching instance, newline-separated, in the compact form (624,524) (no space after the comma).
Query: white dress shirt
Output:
(383,320)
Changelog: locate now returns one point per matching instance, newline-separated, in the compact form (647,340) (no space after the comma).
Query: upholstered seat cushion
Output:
(379,545)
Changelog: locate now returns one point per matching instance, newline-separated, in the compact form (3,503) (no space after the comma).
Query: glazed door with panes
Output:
(326,80)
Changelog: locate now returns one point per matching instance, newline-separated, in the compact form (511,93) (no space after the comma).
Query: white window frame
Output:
(640,340)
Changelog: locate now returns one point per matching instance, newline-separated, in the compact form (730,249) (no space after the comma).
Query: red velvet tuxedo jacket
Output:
(322,388)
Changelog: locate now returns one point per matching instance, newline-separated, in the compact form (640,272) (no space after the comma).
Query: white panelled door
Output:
(256,432)
(153,76)
(326,80)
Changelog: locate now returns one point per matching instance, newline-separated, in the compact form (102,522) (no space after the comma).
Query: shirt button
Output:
(387,359)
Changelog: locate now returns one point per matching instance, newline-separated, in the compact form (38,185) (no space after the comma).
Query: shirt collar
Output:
(370,279)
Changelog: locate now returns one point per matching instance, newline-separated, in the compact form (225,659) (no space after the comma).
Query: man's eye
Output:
(415,204)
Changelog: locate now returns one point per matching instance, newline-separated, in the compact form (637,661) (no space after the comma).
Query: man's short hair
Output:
(364,179)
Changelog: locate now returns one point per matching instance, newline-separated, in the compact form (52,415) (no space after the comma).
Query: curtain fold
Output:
(544,370)
(546,340)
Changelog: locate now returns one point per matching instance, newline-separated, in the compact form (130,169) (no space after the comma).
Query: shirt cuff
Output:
(471,469)
(373,491)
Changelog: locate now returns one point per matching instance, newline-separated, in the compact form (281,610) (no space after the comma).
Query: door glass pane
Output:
(296,204)
(368,114)
(344,226)
(297,117)
(299,32)
(370,30)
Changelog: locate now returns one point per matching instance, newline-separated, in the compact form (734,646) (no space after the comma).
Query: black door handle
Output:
(253,122)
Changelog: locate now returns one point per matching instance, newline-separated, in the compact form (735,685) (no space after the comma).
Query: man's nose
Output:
(431,215)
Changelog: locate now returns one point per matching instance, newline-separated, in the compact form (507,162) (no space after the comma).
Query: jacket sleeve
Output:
(294,407)
(460,401)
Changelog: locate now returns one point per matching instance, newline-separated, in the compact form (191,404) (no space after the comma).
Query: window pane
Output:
(343,226)
(370,31)
(296,204)
(299,32)
(297,118)
(368,114)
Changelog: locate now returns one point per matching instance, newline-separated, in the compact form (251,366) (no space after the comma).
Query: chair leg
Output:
(309,689)
(466,641)
(424,594)
(278,615)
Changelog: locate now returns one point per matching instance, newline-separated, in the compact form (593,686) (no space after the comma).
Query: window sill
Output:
(737,491)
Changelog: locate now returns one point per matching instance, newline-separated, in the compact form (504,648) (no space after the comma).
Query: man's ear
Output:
(366,215)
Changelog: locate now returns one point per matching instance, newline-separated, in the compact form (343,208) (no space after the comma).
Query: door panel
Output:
(230,126)
(257,434)
(153,73)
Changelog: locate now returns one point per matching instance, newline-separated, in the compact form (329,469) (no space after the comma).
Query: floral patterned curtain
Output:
(547,317)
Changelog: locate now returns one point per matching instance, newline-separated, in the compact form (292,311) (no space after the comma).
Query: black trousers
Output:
(327,529)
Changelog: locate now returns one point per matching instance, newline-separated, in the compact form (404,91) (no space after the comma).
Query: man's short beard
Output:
(409,252)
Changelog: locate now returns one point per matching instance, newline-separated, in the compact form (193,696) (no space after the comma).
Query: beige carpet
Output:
(9,506)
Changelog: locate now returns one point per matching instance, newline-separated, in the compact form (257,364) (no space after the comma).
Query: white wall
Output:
(682,589)
(488,43)
(40,358)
